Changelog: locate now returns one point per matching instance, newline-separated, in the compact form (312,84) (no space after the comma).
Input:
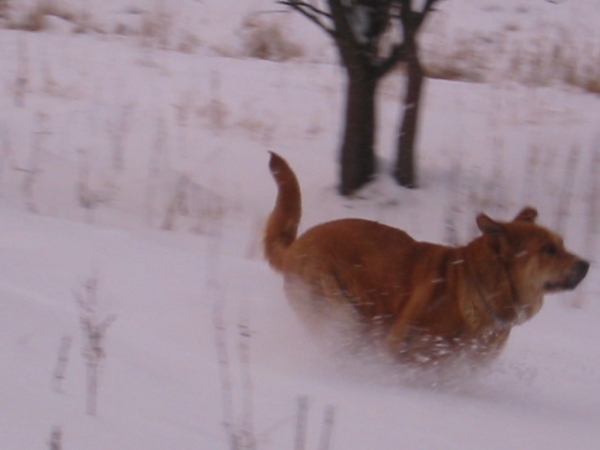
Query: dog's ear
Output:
(489,227)
(527,214)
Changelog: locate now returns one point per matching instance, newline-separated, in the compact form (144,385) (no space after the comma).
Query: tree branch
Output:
(429,6)
(311,8)
(310,12)
(386,64)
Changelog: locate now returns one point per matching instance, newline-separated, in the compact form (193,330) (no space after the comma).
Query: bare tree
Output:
(411,20)
(359,29)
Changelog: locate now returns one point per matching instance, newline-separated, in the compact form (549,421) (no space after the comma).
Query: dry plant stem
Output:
(302,427)
(593,219)
(5,7)
(267,39)
(494,195)
(533,161)
(6,149)
(22,77)
(61,363)
(240,435)
(549,56)
(90,198)
(94,332)
(301,423)
(94,354)
(32,172)
(566,193)
(92,388)
(247,428)
(55,442)
(156,166)
(224,376)
(177,203)
(118,131)
(223,360)
(593,214)
(453,208)
(82,188)
(327,428)
(216,110)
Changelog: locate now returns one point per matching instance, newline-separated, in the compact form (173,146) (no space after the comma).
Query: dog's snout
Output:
(578,273)
(581,268)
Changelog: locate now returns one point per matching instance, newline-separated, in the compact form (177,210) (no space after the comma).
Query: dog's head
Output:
(535,260)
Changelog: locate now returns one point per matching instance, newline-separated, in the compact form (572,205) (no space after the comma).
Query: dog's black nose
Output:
(581,268)
(577,273)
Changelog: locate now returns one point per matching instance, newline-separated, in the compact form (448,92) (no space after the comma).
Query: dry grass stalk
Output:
(55,442)
(157,26)
(301,423)
(465,60)
(224,375)
(265,39)
(33,170)
(156,166)
(240,434)
(35,18)
(22,77)
(94,333)
(592,225)
(453,209)
(5,7)
(118,131)
(61,363)
(327,428)
(551,55)
(566,192)
(88,197)
(6,151)
(214,112)
(531,166)
(217,113)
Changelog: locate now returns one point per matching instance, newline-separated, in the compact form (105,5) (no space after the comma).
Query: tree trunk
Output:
(357,155)
(405,171)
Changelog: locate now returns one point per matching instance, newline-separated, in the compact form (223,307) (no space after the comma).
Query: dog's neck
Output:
(490,281)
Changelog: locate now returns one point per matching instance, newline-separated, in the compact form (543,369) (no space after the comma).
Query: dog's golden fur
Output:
(421,302)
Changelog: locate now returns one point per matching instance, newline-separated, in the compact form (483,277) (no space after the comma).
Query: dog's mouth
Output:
(578,273)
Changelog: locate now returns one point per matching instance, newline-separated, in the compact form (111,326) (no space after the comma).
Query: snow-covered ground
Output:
(142,164)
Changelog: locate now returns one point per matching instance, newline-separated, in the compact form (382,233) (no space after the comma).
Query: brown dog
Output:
(423,303)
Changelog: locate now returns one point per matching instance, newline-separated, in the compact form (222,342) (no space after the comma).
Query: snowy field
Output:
(138,159)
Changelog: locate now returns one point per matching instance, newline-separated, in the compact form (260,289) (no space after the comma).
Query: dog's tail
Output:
(282,225)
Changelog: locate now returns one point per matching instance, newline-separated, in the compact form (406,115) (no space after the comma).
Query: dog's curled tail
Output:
(282,225)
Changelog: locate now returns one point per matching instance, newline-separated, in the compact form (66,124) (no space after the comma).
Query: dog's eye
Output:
(550,249)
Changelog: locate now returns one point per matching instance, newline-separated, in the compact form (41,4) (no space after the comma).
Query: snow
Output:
(211,118)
